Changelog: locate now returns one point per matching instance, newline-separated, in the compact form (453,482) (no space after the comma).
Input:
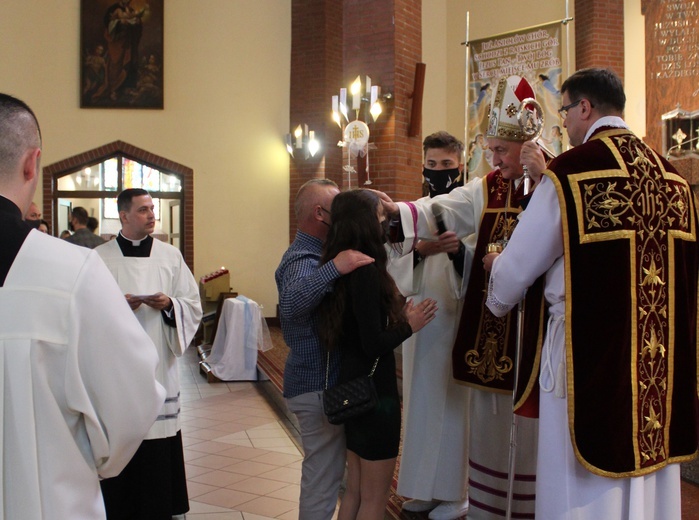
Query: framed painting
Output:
(121,53)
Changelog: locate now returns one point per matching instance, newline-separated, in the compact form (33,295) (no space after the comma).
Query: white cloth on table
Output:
(242,331)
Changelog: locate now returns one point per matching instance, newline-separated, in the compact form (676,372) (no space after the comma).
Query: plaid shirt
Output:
(302,285)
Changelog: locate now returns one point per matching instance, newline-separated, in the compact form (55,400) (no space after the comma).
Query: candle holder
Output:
(366,102)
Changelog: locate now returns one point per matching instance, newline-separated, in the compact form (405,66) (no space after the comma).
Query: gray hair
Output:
(302,197)
(19,132)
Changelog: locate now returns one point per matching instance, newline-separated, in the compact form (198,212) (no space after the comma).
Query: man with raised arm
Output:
(485,211)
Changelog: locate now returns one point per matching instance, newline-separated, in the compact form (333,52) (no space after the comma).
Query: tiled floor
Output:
(241,462)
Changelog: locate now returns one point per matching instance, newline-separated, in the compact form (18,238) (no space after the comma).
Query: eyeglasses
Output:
(564,110)
(323,209)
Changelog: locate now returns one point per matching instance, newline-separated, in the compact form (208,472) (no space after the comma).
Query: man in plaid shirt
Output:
(302,283)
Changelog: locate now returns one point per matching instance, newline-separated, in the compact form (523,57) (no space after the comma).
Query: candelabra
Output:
(366,103)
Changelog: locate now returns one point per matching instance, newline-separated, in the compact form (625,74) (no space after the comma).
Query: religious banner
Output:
(534,54)
(672,64)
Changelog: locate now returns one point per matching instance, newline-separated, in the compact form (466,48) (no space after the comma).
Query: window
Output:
(100,175)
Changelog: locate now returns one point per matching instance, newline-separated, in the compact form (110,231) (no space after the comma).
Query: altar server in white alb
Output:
(435,407)
(164,296)
(77,371)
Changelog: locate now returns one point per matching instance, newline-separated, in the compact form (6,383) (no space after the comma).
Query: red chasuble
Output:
(484,352)
(631,268)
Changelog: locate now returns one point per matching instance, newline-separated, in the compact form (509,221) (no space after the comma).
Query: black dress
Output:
(375,436)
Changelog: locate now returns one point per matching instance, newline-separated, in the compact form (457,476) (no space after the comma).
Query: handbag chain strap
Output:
(327,370)
(374,367)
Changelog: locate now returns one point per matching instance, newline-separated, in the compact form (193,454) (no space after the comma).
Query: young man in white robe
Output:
(614,229)
(161,291)
(78,386)
(432,471)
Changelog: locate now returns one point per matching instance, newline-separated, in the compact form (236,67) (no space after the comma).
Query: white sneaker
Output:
(418,506)
(449,510)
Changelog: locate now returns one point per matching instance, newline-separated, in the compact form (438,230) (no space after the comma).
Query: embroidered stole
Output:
(484,352)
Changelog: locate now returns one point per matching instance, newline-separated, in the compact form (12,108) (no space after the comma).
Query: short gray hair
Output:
(19,131)
(301,197)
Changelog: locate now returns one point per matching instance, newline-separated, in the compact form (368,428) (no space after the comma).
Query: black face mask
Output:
(33,223)
(441,181)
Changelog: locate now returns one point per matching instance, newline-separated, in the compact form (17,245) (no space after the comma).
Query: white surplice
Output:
(565,489)
(489,414)
(78,390)
(163,271)
(435,406)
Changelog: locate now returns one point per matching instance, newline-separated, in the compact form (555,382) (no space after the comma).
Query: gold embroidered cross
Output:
(648,206)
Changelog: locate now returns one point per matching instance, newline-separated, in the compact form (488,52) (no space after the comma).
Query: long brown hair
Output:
(355,225)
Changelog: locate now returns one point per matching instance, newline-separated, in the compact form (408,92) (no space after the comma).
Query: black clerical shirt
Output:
(13,232)
(142,250)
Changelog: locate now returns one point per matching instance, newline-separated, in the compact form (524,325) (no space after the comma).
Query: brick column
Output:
(333,42)
(316,72)
(599,34)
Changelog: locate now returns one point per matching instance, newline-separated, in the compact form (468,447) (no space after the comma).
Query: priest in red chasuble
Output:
(613,227)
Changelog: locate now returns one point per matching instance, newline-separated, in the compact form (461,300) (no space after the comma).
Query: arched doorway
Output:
(94,178)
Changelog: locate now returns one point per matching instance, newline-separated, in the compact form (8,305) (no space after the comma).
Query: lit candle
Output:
(313,145)
(298,133)
(356,93)
(336,111)
(343,102)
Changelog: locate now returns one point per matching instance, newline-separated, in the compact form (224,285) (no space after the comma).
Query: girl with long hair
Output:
(366,318)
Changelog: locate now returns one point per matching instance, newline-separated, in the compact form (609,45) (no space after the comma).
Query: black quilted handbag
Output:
(350,399)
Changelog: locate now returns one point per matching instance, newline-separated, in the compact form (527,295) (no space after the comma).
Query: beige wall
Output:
(634,67)
(443,37)
(435,54)
(227,105)
(226,112)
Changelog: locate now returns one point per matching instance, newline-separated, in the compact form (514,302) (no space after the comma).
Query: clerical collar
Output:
(609,121)
(135,243)
(137,248)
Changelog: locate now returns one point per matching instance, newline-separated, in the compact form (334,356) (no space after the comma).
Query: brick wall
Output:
(599,34)
(334,41)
